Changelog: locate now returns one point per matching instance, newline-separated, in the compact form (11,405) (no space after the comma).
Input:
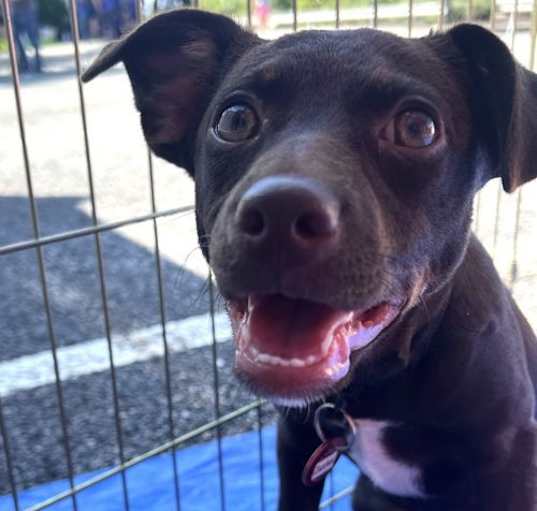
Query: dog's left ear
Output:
(504,100)
(175,62)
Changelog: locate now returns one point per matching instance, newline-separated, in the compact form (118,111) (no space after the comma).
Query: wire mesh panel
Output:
(116,344)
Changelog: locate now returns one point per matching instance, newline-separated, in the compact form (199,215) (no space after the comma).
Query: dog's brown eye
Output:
(237,123)
(414,129)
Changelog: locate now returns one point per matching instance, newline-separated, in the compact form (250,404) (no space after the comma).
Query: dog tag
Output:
(336,431)
(322,461)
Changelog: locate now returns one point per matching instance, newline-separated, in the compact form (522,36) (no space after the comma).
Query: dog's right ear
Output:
(175,62)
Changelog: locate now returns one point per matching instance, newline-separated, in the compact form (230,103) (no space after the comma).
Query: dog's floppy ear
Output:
(175,62)
(504,100)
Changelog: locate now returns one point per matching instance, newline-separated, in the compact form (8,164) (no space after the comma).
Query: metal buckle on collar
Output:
(331,422)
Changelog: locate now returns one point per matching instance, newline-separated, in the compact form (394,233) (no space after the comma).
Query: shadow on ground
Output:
(73,281)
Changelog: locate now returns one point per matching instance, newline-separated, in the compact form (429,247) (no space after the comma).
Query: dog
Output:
(335,173)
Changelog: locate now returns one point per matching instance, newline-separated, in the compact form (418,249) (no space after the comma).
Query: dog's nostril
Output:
(315,224)
(252,222)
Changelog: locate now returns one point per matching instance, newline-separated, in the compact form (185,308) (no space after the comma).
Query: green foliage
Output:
(460,10)
(54,13)
(229,7)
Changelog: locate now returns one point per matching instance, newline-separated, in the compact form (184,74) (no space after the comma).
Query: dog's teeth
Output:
(274,360)
(325,346)
(297,362)
(266,359)
(312,359)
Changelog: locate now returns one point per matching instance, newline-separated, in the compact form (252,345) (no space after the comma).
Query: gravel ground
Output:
(119,160)
(34,423)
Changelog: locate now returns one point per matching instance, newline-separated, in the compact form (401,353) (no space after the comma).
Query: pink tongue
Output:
(289,328)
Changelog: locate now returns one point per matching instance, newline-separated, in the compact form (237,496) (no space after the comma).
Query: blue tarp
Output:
(151,487)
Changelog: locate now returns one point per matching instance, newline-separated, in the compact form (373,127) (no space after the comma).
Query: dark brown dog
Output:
(335,173)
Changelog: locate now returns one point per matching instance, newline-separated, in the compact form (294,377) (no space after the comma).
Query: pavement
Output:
(120,173)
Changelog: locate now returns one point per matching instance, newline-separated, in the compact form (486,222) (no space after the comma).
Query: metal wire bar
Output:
(410,16)
(499,190)
(514,263)
(295,15)
(336,497)
(139,6)
(375,13)
(145,456)
(39,251)
(470,10)
(261,456)
(9,463)
(162,311)
(98,248)
(515,24)
(442,15)
(86,231)
(518,214)
(533,35)
(216,388)
(499,193)
(249,13)
(338,13)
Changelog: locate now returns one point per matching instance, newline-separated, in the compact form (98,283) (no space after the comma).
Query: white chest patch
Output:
(388,474)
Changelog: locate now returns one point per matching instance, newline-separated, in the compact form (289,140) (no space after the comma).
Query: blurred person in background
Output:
(263,10)
(164,5)
(111,18)
(55,15)
(86,12)
(26,25)
(117,16)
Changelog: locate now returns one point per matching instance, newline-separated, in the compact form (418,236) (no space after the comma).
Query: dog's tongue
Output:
(291,329)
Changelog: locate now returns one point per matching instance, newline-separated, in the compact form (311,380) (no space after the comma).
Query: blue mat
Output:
(150,483)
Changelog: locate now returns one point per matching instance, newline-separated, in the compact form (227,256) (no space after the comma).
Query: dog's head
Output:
(334,171)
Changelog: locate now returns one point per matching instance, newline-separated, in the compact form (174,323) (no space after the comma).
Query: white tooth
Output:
(327,343)
(312,359)
(297,362)
(325,346)
(265,359)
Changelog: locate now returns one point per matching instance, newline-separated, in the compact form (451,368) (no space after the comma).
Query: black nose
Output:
(295,216)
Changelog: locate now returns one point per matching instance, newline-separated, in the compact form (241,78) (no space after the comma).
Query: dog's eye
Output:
(413,128)
(237,123)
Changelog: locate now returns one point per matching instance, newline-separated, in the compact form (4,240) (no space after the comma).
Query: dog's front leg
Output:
(297,441)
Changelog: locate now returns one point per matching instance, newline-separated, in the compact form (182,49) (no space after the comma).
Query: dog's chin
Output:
(294,351)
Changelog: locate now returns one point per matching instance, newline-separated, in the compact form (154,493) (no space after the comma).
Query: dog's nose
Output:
(295,216)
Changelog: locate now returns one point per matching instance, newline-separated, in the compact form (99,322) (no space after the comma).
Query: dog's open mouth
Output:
(292,349)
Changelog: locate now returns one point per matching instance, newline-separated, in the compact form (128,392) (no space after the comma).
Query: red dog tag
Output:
(322,461)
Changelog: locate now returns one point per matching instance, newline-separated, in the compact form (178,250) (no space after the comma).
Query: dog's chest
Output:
(389,474)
